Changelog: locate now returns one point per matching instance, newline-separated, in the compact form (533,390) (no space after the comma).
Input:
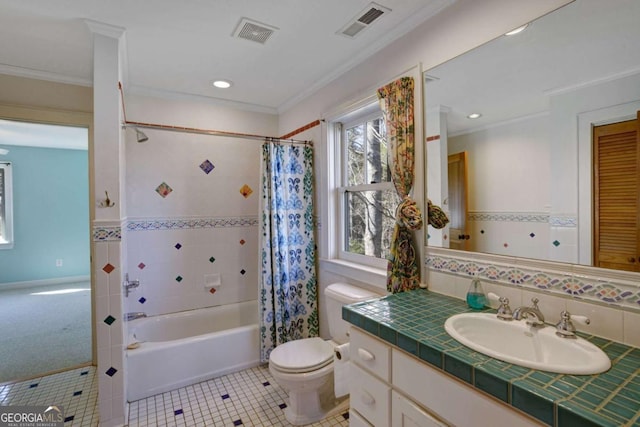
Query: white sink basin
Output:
(517,343)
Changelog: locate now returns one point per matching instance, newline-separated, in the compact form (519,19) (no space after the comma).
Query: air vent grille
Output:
(371,16)
(254,31)
(363,19)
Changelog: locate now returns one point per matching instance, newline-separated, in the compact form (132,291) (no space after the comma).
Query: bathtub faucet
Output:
(134,316)
(129,284)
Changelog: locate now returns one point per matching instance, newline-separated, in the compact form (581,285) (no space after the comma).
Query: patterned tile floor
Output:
(76,390)
(246,398)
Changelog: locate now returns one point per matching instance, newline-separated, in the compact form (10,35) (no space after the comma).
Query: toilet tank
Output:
(338,295)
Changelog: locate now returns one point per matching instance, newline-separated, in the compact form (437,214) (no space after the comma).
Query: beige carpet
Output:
(40,333)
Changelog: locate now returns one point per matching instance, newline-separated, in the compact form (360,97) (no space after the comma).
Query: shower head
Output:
(141,136)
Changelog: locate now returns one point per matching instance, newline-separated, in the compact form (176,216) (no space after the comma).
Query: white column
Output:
(108,259)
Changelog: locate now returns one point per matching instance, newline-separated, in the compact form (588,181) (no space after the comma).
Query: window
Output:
(368,198)
(6,224)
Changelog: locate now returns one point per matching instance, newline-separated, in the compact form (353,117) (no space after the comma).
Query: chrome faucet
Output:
(532,314)
(134,316)
(129,284)
(565,327)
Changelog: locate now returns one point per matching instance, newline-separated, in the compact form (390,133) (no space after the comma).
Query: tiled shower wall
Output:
(192,221)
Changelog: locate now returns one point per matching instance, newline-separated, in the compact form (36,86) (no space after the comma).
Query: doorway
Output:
(45,271)
(616,189)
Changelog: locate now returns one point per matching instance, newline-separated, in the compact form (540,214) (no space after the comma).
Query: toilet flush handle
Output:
(365,355)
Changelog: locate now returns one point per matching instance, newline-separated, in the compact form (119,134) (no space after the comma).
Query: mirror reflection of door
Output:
(458,206)
(616,151)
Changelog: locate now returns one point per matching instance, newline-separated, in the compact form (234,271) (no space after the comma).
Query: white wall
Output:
(168,251)
(458,28)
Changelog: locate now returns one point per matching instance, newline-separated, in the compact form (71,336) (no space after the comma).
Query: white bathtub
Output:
(184,348)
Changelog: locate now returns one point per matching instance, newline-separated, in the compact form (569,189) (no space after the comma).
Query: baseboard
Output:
(43,282)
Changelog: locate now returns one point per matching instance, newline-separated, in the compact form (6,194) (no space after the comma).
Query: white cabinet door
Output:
(405,413)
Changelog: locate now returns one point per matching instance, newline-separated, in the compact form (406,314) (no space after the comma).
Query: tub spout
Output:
(134,316)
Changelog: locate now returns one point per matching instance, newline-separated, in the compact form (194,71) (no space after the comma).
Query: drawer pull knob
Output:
(365,355)
(367,399)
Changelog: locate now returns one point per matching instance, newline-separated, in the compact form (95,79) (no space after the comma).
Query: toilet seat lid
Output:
(302,355)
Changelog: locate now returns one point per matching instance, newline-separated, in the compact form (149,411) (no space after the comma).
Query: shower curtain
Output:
(288,288)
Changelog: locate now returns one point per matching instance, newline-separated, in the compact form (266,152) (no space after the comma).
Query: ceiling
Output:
(584,43)
(179,47)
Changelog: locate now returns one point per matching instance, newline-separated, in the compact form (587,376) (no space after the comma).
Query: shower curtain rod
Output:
(129,123)
(183,129)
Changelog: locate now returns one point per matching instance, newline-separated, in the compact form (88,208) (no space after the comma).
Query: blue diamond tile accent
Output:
(556,243)
(345,415)
(69,418)
(178,246)
(243,271)
(109,320)
(212,260)
(84,373)
(179,279)
(33,385)
(111,371)
(77,393)
(266,383)
(237,423)
(225,396)
(532,235)
(207,166)
(142,300)
(178,412)
(282,405)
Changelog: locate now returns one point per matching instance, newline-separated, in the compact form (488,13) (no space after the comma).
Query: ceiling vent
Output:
(362,20)
(254,31)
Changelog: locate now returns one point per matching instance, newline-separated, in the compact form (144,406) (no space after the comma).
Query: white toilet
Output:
(304,368)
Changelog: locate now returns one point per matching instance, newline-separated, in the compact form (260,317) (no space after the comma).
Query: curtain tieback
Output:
(408,214)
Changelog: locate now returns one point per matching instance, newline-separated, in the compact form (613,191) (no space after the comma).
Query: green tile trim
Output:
(458,368)
(414,322)
(532,403)
(495,386)
(431,355)
(407,343)
(570,415)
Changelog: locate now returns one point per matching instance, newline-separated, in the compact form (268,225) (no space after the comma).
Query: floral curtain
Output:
(396,101)
(288,288)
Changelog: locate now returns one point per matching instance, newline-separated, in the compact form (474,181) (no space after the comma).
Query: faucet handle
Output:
(534,302)
(504,311)
(565,327)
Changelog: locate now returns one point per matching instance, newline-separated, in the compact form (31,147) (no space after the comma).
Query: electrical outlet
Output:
(59,262)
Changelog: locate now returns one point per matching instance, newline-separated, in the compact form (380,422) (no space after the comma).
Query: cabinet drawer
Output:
(405,413)
(370,397)
(370,353)
(356,420)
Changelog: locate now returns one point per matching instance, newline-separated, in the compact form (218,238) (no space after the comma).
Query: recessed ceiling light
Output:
(222,84)
(474,116)
(517,30)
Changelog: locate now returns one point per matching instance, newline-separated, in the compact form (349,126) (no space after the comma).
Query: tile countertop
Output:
(414,322)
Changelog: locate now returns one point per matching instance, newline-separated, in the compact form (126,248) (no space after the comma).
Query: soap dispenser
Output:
(476,298)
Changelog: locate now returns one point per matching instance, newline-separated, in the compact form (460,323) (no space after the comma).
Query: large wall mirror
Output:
(526,177)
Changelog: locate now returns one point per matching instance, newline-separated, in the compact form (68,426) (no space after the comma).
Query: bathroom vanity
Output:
(407,371)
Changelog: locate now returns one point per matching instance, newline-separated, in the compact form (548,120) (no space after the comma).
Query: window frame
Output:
(361,116)
(6,217)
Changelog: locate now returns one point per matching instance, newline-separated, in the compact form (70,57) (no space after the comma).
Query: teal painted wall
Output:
(50,215)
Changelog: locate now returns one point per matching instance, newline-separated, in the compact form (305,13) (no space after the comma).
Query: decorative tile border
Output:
(566,221)
(593,289)
(195,223)
(508,216)
(107,233)
(557,220)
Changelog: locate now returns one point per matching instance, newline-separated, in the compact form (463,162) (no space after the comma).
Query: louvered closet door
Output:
(617,196)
